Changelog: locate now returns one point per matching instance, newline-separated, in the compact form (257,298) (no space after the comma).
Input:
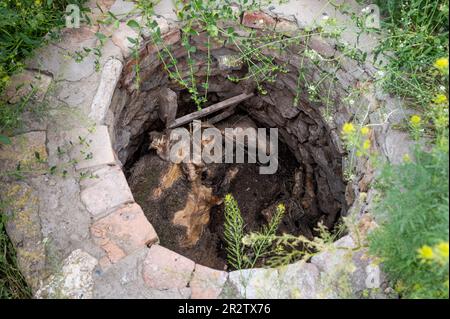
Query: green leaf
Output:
(132,40)
(101,37)
(133,24)
(4,140)
(213,30)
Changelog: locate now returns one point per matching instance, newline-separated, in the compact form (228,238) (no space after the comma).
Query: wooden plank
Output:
(211,109)
(222,116)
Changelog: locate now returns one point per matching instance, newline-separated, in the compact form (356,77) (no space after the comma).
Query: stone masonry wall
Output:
(73,219)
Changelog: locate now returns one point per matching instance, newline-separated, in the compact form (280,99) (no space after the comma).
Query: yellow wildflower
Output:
(442,249)
(359,153)
(441,64)
(406,158)
(440,99)
(348,128)
(415,120)
(425,252)
(366,144)
(38,2)
(365,130)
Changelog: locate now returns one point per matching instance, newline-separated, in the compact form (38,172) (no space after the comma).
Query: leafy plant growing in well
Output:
(266,247)
(242,253)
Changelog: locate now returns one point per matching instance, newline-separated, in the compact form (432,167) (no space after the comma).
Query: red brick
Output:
(258,20)
(123,232)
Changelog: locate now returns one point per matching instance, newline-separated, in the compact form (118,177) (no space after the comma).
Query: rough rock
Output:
(254,283)
(120,38)
(258,20)
(299,281)
(396,145)
(287,27)
(74,280)
(122,8)
(348,272)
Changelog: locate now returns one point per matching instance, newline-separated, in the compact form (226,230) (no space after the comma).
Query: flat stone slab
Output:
(65,222)
(25,83)
(207,283)
(74,280)
(28,150)
(124,280)
(105,192)
(123,232)
(90,147)
(108,81)
(61,65)
(165,269)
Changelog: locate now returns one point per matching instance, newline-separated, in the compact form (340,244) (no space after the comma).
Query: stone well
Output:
(79,232)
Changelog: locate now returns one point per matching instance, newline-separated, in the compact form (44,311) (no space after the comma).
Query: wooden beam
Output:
(222,116)
(211,109)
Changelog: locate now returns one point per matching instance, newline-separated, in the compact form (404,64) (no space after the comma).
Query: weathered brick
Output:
(165,269)
(258,20)
(106,192)
(207,283)
(123,232)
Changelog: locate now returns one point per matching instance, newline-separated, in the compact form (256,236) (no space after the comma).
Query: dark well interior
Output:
(308,181)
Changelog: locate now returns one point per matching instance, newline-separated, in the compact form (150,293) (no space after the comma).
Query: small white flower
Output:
(442,88)
(365,10)
(351,101)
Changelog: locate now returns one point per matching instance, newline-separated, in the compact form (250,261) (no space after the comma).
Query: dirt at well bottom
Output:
(164,189)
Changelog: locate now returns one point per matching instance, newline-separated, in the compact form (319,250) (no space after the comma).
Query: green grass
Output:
(413,212)
(12,283)
(414,199)
(25,25)
(417,36)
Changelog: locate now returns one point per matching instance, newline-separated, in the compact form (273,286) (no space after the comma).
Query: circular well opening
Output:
(308,180)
